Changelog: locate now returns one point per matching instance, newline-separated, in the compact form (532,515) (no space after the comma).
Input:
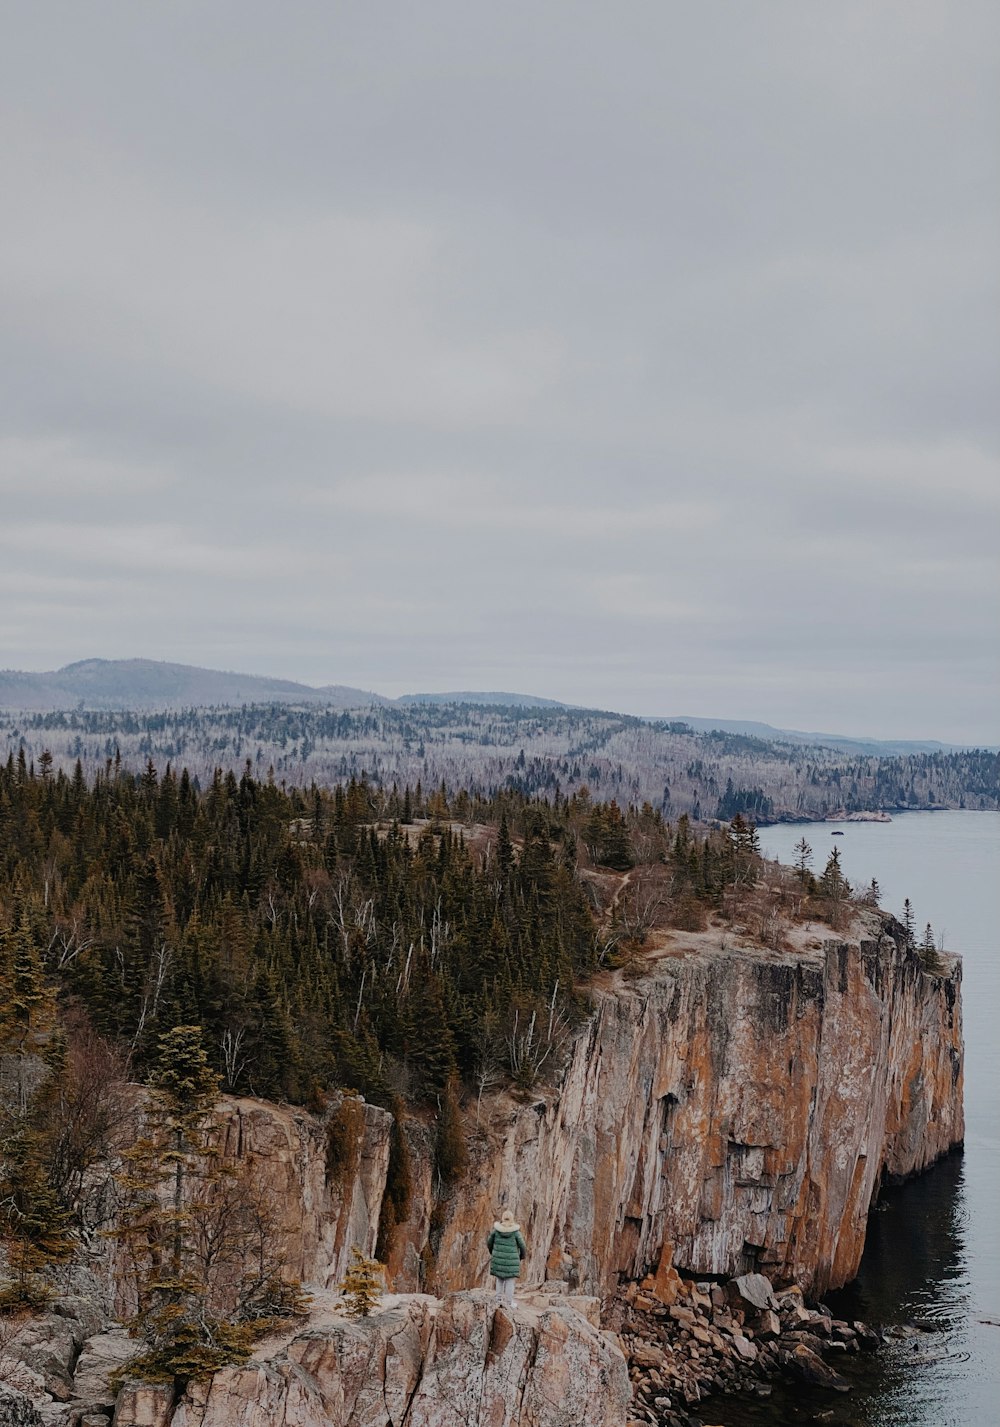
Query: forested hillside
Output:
(315,942)
(531,750)
(423,947)
(397,943)
(324,938)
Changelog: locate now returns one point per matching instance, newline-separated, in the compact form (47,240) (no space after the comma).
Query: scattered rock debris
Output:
(722,1339)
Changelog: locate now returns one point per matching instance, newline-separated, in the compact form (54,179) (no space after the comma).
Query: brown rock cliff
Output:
(739,1108)
(727,1111)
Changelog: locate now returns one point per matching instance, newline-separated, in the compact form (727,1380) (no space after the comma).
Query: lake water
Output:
(932,1256)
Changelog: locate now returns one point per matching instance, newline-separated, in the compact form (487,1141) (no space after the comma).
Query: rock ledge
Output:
(460,1361)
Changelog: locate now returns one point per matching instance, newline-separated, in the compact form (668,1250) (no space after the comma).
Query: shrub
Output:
(362,1285)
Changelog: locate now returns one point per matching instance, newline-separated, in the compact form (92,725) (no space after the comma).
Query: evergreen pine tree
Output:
(162,1174)
(832,883)
(451,1155)
(909,923)
(803,859)
(616,850)
(505,851)
(34,1227)
(187,1088)
(929,958)
(31,1002)
(834,887)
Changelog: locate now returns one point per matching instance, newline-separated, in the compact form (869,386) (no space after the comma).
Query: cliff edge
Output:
(728,1110)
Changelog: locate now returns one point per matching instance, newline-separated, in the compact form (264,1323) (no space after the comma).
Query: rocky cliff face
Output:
(725,1112)
(733,1111)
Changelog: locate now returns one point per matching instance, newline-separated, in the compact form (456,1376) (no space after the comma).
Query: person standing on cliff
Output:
(507,1248)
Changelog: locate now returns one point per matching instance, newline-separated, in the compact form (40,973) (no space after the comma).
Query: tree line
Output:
(536,752)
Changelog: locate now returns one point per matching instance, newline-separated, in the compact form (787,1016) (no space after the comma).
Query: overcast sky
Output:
(639,355)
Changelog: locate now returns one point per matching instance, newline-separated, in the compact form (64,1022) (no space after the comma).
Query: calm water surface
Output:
(932,1257)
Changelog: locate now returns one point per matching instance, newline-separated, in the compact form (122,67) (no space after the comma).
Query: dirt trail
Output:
(610,912)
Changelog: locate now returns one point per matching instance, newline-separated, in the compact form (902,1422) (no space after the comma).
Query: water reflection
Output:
(914,1282)
(914,1261)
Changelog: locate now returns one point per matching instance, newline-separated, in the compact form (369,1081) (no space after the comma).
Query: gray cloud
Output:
(645,358)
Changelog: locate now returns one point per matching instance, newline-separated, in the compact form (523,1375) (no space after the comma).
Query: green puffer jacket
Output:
(507,1249)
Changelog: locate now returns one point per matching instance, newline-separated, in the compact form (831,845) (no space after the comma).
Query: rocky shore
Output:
(716,1339)
(663,1347)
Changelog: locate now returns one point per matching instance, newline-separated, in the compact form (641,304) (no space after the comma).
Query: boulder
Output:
(743,1348)
(807,1366)
(587,1306)
(667,1284)
(767,1325)
(753,1292)
(808,1340)
(102,1355)
(647,1355)
(46,1345)
(84,1315)
(144,1404)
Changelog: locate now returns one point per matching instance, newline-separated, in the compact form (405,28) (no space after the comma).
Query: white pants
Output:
(505,1290)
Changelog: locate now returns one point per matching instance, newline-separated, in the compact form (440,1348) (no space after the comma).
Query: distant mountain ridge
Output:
(878,747)
(150,684)
(153,684)
(144,684)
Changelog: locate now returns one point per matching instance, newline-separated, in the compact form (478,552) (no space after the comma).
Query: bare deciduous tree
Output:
(489,1062)
(531,1046)
(91,1114)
